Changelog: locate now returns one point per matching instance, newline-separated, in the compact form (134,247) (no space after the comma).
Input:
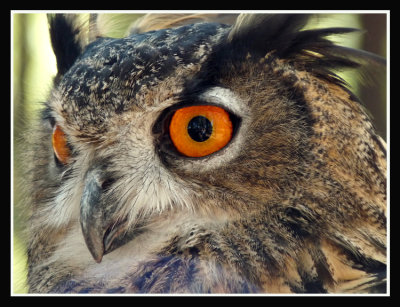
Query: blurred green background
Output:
(34,66)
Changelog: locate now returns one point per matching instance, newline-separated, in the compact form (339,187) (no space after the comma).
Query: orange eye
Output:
(198,131)
(60,146)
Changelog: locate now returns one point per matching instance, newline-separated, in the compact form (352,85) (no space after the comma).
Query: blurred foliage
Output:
(34,67)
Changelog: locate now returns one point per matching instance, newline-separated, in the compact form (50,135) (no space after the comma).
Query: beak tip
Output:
(97,253)
(98,259)
(94,244)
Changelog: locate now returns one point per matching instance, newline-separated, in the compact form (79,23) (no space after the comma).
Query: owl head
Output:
(233,142)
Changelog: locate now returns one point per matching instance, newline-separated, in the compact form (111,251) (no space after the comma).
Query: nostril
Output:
(107,183)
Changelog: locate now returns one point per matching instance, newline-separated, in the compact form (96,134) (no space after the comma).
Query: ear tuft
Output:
(266,32)
(66,40)
(284,36)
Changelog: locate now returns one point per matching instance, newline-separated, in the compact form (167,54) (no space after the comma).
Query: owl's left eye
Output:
(60,146)
(198,131)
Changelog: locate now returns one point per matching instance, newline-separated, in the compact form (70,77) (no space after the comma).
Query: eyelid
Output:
(47,118)
(224,98)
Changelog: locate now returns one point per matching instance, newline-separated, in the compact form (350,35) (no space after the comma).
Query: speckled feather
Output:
(295,203)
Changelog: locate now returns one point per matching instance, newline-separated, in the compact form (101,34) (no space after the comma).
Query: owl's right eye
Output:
(60,146)
(198,131)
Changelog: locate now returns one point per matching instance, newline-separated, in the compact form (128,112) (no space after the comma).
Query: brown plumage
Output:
(294,203)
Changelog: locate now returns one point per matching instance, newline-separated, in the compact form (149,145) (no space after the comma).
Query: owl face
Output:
(147,137)
(146,118)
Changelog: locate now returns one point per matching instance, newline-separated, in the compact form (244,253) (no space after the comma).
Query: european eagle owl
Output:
(204,154)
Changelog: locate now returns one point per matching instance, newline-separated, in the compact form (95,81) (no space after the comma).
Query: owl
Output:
(204,154)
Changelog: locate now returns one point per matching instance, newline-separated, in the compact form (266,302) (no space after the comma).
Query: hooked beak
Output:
(100,230)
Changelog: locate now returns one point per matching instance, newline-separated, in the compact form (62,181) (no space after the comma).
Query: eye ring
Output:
(198,131)
(60,146)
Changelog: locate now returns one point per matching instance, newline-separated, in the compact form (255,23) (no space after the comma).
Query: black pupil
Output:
(200,128)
